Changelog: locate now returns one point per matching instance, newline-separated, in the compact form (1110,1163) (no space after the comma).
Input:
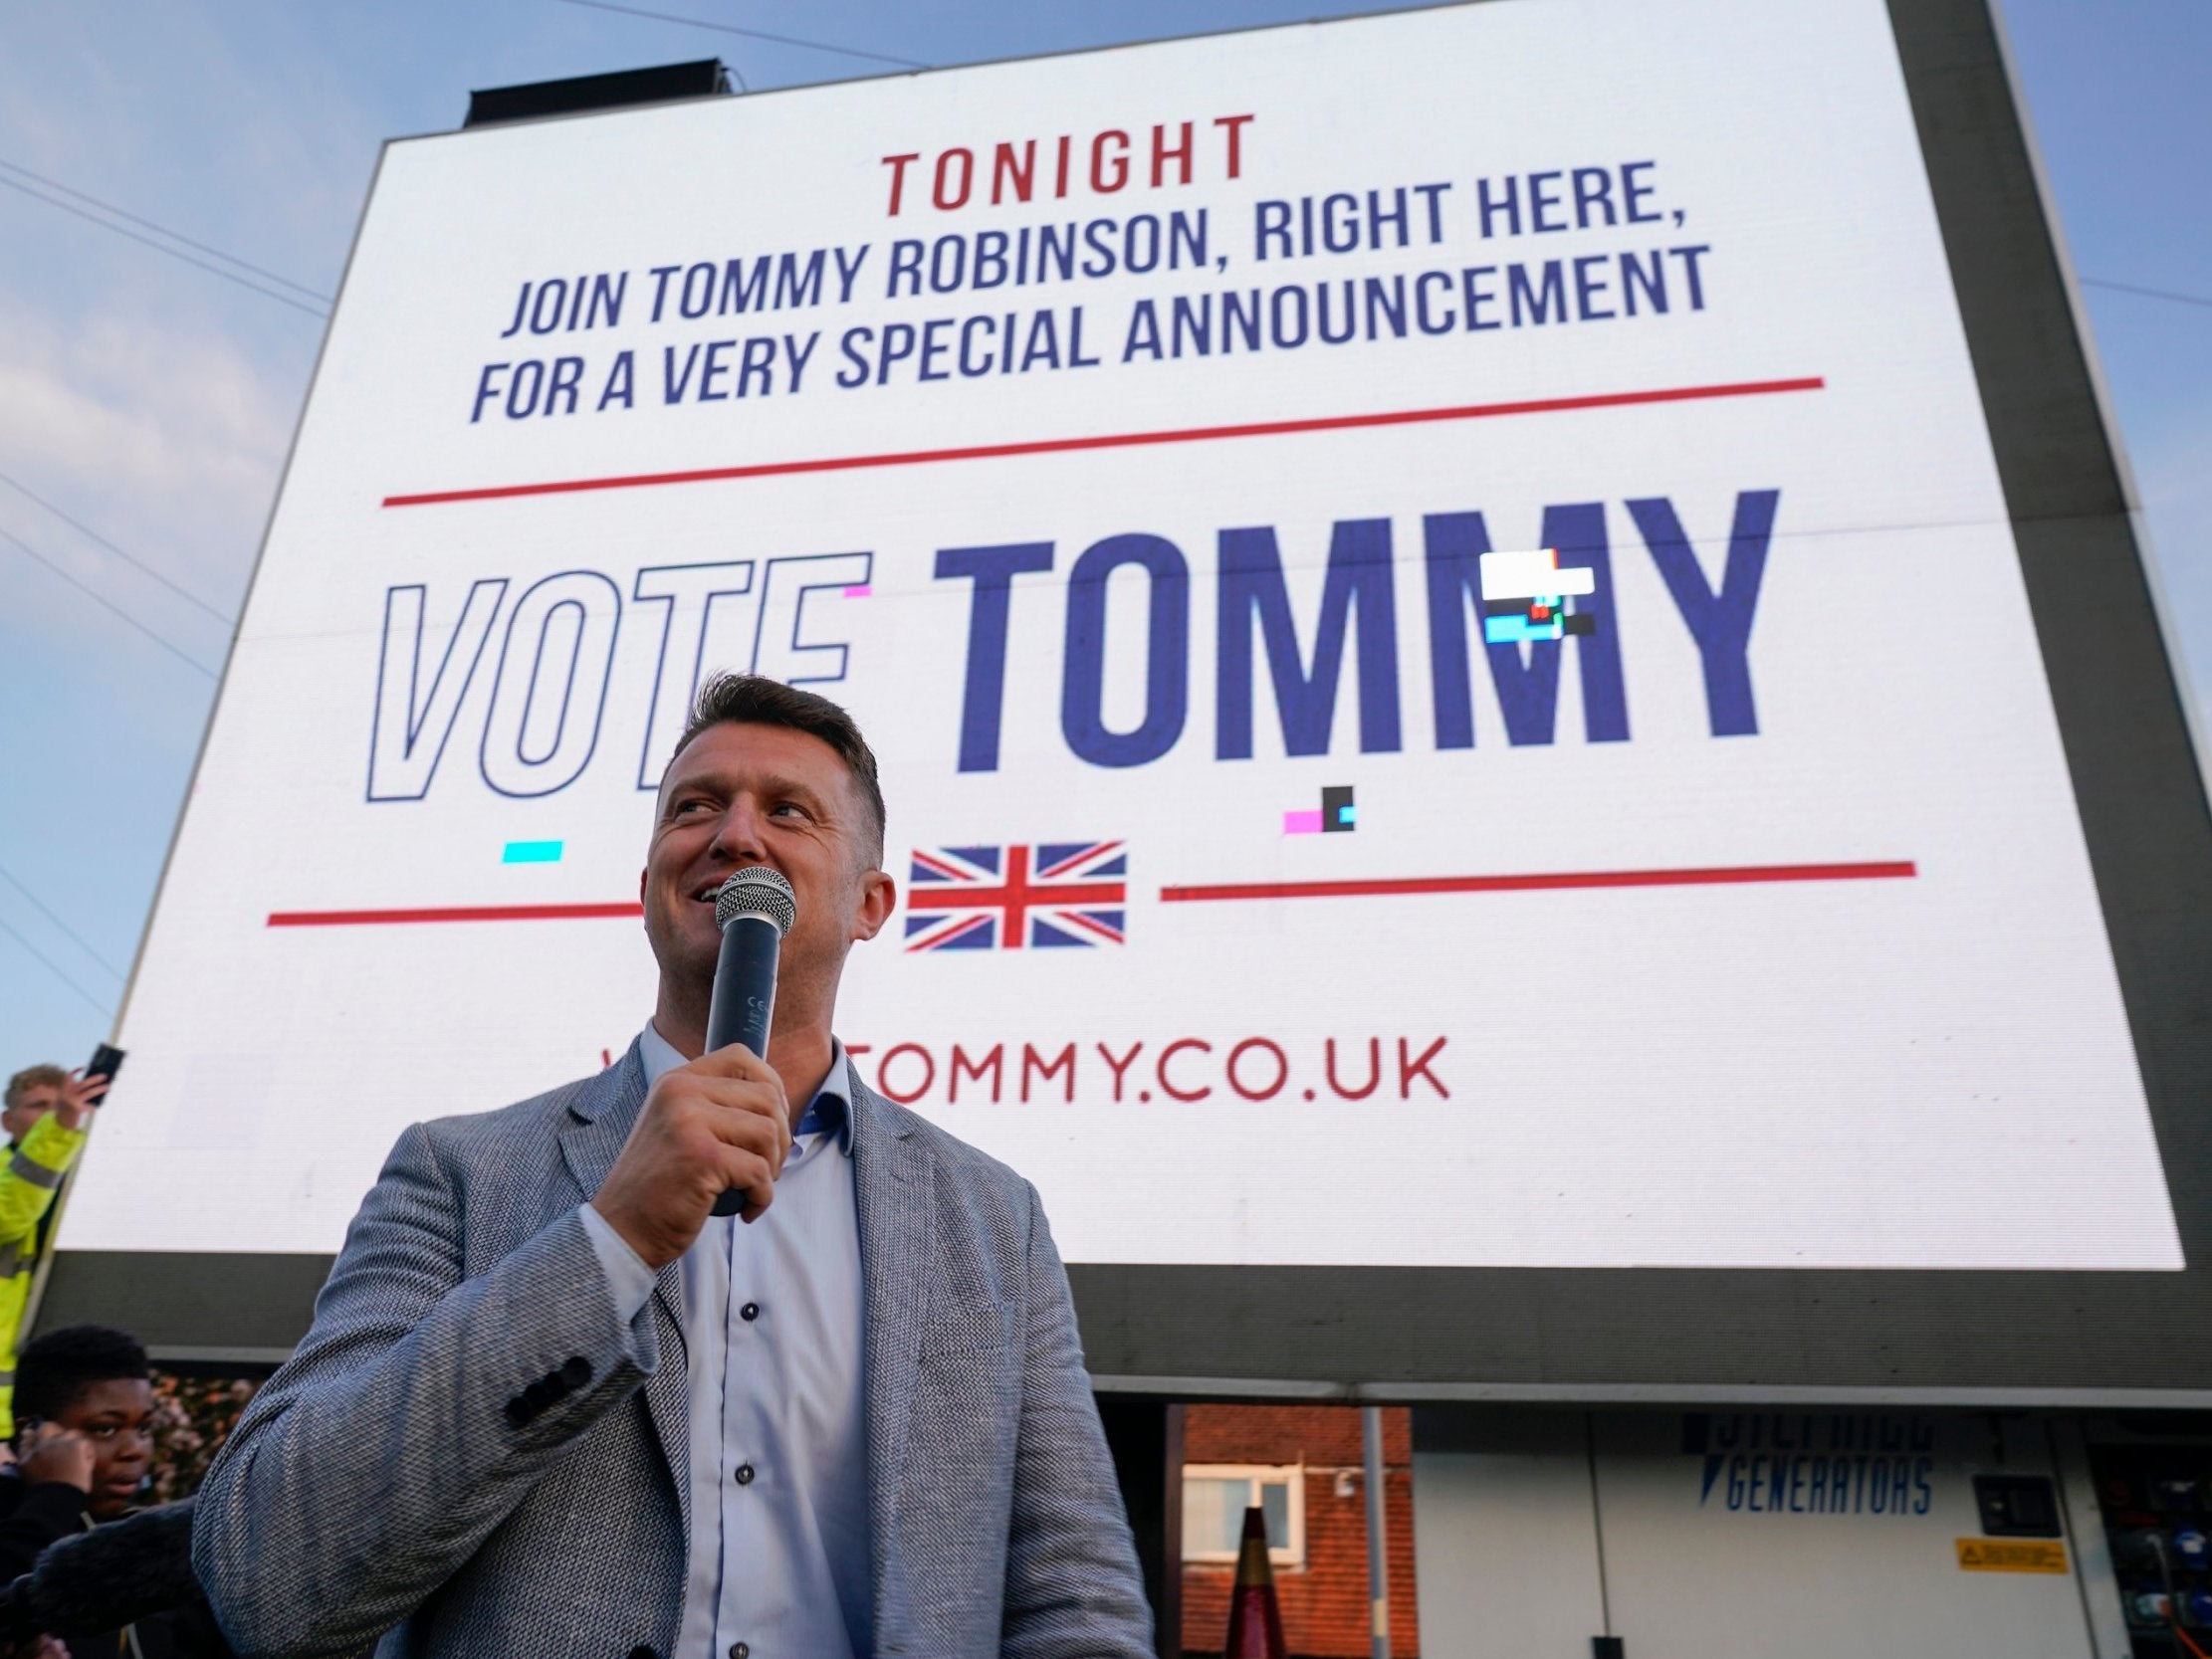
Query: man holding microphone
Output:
(550,1406)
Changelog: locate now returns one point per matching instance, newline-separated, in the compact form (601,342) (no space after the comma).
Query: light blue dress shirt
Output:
(773,1329)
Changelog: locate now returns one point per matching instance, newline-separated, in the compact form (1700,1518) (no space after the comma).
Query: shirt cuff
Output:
(628,1278)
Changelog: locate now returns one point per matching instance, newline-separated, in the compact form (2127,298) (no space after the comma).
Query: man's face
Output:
(116,1416)
(743,794)
(31,1105)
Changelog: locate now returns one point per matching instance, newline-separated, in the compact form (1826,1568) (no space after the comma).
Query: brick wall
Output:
(1324,1604)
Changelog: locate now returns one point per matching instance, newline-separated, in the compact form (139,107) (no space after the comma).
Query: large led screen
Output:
(1454,679)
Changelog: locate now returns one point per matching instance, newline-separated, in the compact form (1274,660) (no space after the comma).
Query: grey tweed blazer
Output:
(472,1458)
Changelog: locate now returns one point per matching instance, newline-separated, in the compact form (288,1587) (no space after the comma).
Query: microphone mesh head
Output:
(757,891)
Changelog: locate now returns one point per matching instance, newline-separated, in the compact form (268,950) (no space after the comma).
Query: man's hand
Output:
(720,1122)
(53,1453)
(80,1094)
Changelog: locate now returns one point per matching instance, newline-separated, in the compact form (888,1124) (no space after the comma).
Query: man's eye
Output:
(787,806)
(102,1431)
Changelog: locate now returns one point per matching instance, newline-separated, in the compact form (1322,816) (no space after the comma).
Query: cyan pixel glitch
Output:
(1526,597)
(531,852)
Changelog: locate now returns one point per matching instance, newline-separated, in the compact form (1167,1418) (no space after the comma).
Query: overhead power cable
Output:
(2150,292)
(174,236)
(164,248)
(87,531)
(105,603)
(73,935)
(55,970)
(748,34)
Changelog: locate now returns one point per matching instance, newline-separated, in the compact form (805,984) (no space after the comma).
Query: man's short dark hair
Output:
(55,1370)
(756,699)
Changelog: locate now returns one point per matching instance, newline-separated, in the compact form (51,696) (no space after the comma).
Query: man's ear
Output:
(879,896)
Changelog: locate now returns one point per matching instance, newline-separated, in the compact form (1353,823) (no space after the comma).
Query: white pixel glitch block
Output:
(1532,575)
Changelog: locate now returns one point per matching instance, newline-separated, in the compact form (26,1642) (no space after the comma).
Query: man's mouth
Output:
(706,892)
(711,890)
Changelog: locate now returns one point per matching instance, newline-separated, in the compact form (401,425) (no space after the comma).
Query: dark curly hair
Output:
(53,1370)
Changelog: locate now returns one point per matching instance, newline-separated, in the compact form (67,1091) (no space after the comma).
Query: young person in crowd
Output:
(84,1406)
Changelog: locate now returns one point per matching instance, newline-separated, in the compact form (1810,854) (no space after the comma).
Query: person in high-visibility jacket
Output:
(46,1116)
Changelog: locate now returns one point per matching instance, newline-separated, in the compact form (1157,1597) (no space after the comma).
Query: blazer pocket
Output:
(968,1328)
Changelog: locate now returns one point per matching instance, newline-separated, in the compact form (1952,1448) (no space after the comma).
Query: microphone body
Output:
(744,984)
(756,908)
(93,1583)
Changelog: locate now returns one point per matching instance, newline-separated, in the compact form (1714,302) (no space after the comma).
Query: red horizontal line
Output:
(1387,887)
(1115,440)
(454,913)
(1400,884)
(929,896)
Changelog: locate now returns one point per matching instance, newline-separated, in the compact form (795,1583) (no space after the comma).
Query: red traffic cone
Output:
(1255,1621)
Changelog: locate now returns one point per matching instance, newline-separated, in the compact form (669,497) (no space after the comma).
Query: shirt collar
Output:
(829,1111)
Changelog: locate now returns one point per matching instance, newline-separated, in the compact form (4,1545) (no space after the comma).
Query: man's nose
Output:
(739,837)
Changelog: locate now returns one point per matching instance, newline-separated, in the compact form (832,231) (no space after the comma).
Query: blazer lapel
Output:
(895,1183)
(599,1121)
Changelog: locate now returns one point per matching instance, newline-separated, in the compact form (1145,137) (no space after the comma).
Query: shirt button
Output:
(745,1474)
(737,1650)
(750,1312)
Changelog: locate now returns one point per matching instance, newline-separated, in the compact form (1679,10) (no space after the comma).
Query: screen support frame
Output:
(1438,1335)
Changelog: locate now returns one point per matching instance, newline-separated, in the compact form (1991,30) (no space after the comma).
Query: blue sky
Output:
(146,406)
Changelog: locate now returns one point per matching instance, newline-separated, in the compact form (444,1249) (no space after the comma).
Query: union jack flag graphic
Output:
(1057,892)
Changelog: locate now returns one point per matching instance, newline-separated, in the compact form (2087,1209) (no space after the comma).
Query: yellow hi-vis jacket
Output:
(28,1181)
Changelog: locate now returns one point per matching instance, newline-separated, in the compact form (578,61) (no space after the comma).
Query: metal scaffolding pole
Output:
(1378,1532)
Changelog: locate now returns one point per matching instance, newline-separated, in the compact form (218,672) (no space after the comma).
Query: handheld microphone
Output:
(755,909)
(93,1583)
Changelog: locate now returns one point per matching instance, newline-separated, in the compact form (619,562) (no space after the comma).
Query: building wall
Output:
(1324,1603)
(1737,1533)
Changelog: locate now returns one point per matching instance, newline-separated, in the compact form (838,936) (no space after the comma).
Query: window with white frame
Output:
(1216,1497)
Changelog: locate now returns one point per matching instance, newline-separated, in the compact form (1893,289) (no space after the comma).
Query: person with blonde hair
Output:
(47,1115)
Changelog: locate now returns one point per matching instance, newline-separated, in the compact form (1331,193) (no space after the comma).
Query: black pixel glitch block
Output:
(1338,815)
(702,77)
